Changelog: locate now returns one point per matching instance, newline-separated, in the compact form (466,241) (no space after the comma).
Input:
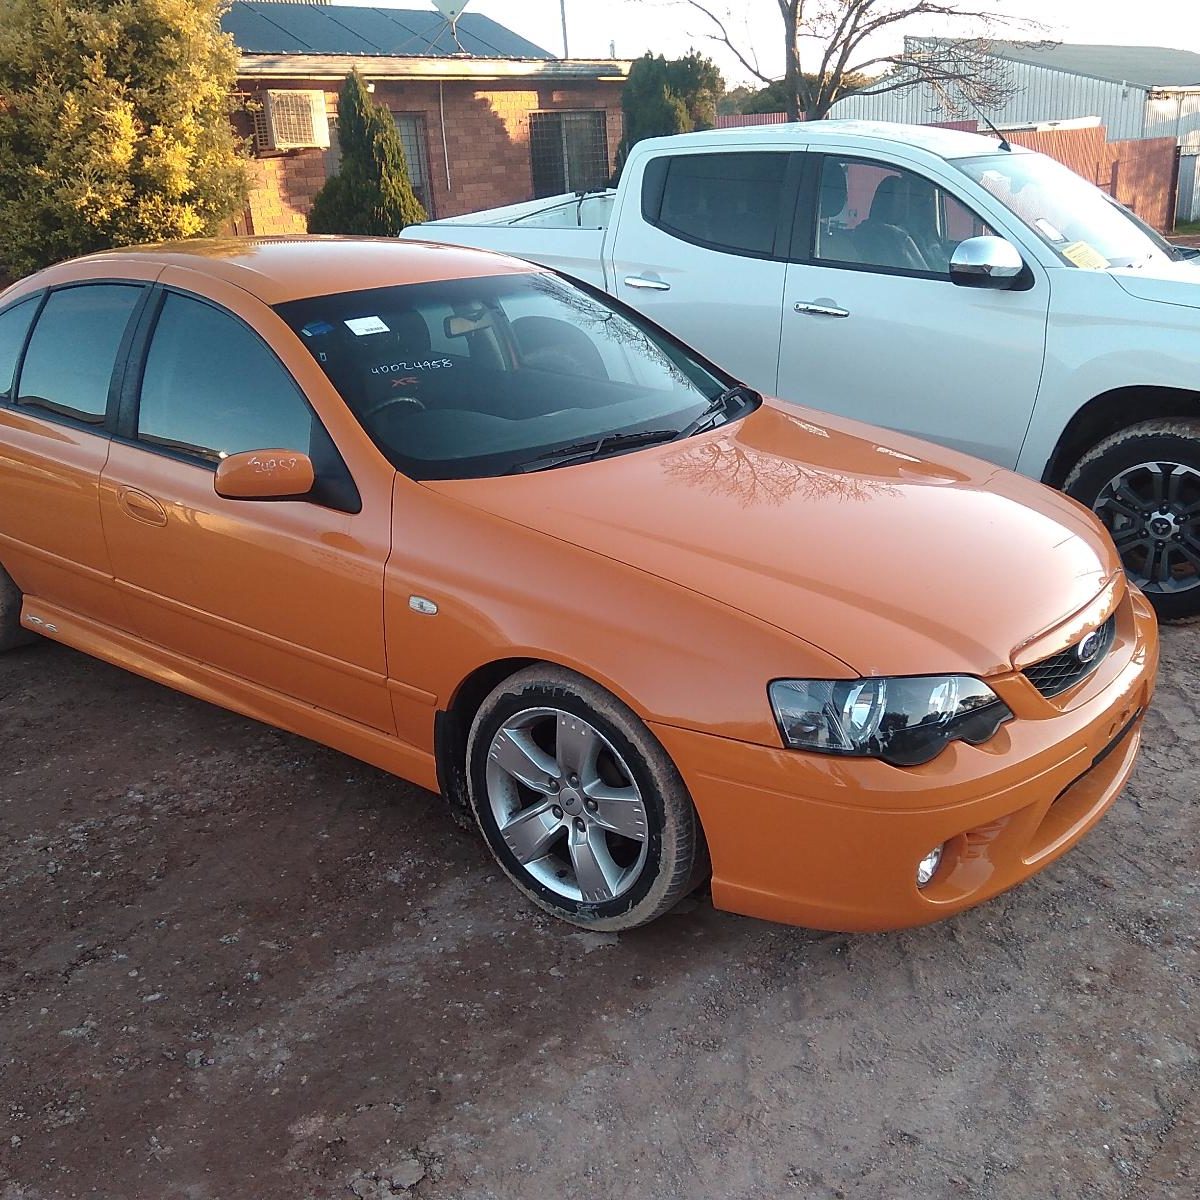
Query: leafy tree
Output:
(731,103)
(114,126)
(774,97)
(839,37)
(370,192)
(664,96)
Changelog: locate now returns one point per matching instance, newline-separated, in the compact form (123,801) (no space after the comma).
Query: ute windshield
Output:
(468,378)
(1076,220)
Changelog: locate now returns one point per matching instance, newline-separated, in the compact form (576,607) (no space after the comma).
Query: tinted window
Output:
(74,346)
(727,201)
(14,325)
(882,216)
(212,388)
(478,377)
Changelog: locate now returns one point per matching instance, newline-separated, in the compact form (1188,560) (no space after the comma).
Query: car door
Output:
(59,356)
(286,595)
(704,255)
(875,329)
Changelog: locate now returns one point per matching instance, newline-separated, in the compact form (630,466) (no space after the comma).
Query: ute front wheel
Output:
(1144,484)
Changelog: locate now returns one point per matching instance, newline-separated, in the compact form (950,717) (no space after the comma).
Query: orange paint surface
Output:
(682,577)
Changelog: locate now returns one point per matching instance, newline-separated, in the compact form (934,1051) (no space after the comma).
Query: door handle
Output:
(641,281)
(141,507)
(821,310)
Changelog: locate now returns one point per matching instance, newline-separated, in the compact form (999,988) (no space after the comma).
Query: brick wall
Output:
(486,143)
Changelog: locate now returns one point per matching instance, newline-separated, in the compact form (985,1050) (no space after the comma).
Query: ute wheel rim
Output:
(1152,511)
(567,805)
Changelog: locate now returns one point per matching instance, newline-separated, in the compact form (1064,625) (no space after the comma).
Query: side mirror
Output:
(265,475)
(986,262)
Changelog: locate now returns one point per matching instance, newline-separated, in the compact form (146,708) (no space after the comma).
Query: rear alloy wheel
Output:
(12,632)
(579,803)
(1144,484)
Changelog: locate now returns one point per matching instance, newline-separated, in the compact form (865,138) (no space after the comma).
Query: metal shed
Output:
(1136,91)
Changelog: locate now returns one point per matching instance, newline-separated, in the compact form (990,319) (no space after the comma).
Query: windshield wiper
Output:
(588,451)
(718,406)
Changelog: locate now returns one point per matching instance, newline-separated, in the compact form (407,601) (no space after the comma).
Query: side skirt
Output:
(227,691)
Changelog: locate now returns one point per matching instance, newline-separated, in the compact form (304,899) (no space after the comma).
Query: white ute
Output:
(929,280)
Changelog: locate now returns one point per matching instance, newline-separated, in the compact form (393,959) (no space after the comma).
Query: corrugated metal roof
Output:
(1143,66)
(295,28)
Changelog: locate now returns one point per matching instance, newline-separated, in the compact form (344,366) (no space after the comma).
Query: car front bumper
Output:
(834,843)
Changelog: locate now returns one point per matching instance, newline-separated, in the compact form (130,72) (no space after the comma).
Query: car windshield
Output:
(468,378)
(1076,220)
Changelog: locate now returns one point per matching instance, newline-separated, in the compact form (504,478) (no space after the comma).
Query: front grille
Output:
(1060,672)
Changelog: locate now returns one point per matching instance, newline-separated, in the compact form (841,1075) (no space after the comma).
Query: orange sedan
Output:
(500,535)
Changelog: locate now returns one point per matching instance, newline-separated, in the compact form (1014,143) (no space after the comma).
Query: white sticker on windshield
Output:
(1049,230)
(361,326)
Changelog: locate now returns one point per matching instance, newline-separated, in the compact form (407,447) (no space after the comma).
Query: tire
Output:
(1144,484)
(615,849)
(12,632)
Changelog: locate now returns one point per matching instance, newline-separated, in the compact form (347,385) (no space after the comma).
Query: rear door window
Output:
(69,364)
(728,202)
(14,325)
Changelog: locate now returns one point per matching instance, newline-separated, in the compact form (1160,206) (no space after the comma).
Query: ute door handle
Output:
(141,507)
(821,310)
(644,281)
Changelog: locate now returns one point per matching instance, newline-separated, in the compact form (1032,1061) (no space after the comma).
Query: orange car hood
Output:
(897,558)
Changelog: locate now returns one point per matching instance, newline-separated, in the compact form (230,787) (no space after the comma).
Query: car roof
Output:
(945,143)
(276,270)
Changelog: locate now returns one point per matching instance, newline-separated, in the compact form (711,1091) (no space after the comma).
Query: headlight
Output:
(905,721)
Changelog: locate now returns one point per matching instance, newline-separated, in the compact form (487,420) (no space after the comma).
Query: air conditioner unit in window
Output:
(291,120)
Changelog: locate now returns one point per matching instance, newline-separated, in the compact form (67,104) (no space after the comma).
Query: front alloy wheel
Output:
(579,803)
(1144,484)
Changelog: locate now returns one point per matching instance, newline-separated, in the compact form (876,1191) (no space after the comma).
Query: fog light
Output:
(927,867)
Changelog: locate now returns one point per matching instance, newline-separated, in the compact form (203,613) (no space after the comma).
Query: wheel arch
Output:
(452,724)
(1109,413)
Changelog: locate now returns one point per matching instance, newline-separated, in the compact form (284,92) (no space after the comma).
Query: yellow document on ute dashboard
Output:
(1084,254)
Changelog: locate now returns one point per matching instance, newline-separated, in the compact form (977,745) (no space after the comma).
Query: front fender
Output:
(1101,339)
(503,591)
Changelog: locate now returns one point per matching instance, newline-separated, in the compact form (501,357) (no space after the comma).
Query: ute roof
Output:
(276,270)
(945,143)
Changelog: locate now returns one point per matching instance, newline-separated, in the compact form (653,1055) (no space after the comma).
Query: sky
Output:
(671,28)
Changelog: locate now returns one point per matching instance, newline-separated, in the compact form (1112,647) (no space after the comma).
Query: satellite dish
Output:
(452,10)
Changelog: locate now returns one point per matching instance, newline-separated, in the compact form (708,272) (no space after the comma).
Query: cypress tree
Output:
(370,193)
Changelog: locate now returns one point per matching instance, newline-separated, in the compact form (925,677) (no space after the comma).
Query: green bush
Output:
(114,126)
(370,193)
(665,96)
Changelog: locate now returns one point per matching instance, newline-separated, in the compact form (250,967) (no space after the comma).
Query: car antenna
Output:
(979,113)
(1003,140)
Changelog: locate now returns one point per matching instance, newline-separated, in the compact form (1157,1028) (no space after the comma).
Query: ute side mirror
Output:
(265,475)
(986,262)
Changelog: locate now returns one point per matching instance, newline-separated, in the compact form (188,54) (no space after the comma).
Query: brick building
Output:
(486,117)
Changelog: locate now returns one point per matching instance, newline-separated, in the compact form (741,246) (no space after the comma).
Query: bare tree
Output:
(827,43)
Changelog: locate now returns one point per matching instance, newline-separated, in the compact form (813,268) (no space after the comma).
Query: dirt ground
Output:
(236,965)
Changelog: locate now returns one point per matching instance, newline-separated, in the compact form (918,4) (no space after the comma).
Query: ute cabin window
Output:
(569,151)
(727,202)
(14,325)
(877,215)
(69,363)
(211,388)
